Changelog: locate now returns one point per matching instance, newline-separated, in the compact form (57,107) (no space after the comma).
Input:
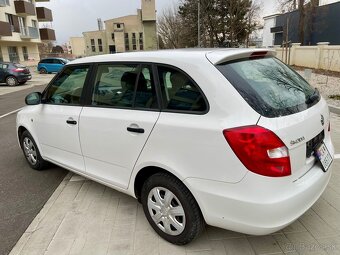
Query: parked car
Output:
(13,74)
(233,138)
(51,65)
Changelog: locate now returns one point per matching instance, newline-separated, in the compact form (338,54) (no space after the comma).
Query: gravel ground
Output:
(327,87)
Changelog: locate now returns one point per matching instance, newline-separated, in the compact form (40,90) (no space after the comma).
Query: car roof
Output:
(214,55)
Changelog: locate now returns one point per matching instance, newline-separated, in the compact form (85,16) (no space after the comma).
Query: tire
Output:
(43,71)
(31,152)
(12,81)
(178,228)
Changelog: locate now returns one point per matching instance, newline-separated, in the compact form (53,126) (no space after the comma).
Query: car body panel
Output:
(120,149)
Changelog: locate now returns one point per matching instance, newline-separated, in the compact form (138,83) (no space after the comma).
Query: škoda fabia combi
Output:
(229,137)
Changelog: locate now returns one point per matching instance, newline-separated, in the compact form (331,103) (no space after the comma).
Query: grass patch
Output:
(335,97)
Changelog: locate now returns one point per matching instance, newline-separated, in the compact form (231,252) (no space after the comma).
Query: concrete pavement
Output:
(83,217)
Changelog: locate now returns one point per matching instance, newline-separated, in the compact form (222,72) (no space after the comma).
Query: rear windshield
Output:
(270,87)
(19,66)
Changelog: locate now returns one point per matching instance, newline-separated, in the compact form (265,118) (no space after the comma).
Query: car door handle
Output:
(136,130)
(71,121)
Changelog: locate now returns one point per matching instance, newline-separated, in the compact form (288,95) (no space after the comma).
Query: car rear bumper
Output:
(25,77)
(258,205)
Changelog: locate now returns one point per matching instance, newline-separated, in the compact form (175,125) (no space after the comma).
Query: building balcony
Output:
(38,1)
(5,29)
(2,3)
(47,34)
(29,33)
(24,8)
(44,14)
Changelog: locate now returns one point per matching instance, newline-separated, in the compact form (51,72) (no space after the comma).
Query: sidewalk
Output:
(83,217)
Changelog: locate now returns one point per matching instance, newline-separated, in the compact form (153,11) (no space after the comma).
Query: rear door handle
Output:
(136,130)
(71,121)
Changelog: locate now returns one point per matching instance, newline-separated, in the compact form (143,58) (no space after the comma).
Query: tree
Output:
(170,28)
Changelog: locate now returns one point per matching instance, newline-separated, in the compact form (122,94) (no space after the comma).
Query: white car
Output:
(229,137)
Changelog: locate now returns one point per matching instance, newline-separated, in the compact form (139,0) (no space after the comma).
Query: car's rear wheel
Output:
(171,209)
(43,71)
(11,81)
(31,152)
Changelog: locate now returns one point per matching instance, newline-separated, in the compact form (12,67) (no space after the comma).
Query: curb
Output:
(334,109)
(34,224)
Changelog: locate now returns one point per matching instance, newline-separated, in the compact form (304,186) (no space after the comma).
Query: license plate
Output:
(323,155)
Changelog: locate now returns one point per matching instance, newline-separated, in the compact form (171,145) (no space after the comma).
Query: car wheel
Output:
(12,81)
(31,152)
(171,209)
(43,71)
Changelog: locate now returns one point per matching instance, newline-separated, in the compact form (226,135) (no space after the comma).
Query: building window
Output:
(9,19)
(126,39)
(13,54)
(118,25)
(7,2)
(141,42)
(25,53)
(113,36)
(100,45)
(93,45)
(1,57)
(22,24)
(134,41)
(34,23)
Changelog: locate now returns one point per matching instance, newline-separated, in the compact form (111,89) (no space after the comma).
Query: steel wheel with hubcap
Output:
(43,71)
(171,209)
(166,211)
(11,81)
(31,152)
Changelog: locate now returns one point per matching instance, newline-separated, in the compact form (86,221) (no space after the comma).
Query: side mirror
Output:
(33,98)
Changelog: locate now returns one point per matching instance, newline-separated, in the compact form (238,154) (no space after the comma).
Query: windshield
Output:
(269,86)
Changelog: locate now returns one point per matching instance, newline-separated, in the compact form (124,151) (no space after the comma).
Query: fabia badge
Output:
(299,140)
(322,120)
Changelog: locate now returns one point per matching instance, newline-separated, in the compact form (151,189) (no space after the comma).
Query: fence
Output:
(322,56)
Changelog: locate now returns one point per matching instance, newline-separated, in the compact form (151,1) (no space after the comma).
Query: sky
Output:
(72,17)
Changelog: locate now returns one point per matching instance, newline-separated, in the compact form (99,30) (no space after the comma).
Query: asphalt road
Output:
(23,191)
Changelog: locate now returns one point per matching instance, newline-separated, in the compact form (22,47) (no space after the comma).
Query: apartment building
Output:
(123,34)
(20,34)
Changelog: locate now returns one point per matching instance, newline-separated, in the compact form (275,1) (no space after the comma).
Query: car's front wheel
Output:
(171,209)
(11,81)
(31,152)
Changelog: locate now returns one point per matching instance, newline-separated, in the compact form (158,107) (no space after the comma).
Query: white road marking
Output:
(337,156)
(7,114)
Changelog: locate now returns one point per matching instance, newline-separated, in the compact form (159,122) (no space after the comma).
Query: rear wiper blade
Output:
(315,96)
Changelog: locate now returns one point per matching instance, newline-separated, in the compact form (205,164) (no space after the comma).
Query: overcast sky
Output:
(72,17)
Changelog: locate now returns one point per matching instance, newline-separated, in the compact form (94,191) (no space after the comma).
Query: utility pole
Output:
(199,23)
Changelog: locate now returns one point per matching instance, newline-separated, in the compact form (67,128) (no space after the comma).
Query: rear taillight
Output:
(18,70)
(260,150)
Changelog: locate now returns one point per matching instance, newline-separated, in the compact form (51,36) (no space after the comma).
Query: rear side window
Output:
(269,86)
(125,86)
(179,92)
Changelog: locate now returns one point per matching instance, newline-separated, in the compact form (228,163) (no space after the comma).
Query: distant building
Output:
(321,25)
(123,34)
(77,46)
(19,30)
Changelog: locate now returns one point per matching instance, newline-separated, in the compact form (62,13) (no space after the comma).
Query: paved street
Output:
(83,217)
(23,192)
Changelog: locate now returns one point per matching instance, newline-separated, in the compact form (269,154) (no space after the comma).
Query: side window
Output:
(56,61)
(179,92)
(124,85)
(67,88)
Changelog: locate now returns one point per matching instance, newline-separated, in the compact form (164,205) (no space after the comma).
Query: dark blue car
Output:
(51,65)
(13,74)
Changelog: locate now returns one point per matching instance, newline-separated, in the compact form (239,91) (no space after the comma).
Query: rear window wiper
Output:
(315,96)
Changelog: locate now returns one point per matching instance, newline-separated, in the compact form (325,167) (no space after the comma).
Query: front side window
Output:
(270,87)
(179,92)
(124,86)
(67,88)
